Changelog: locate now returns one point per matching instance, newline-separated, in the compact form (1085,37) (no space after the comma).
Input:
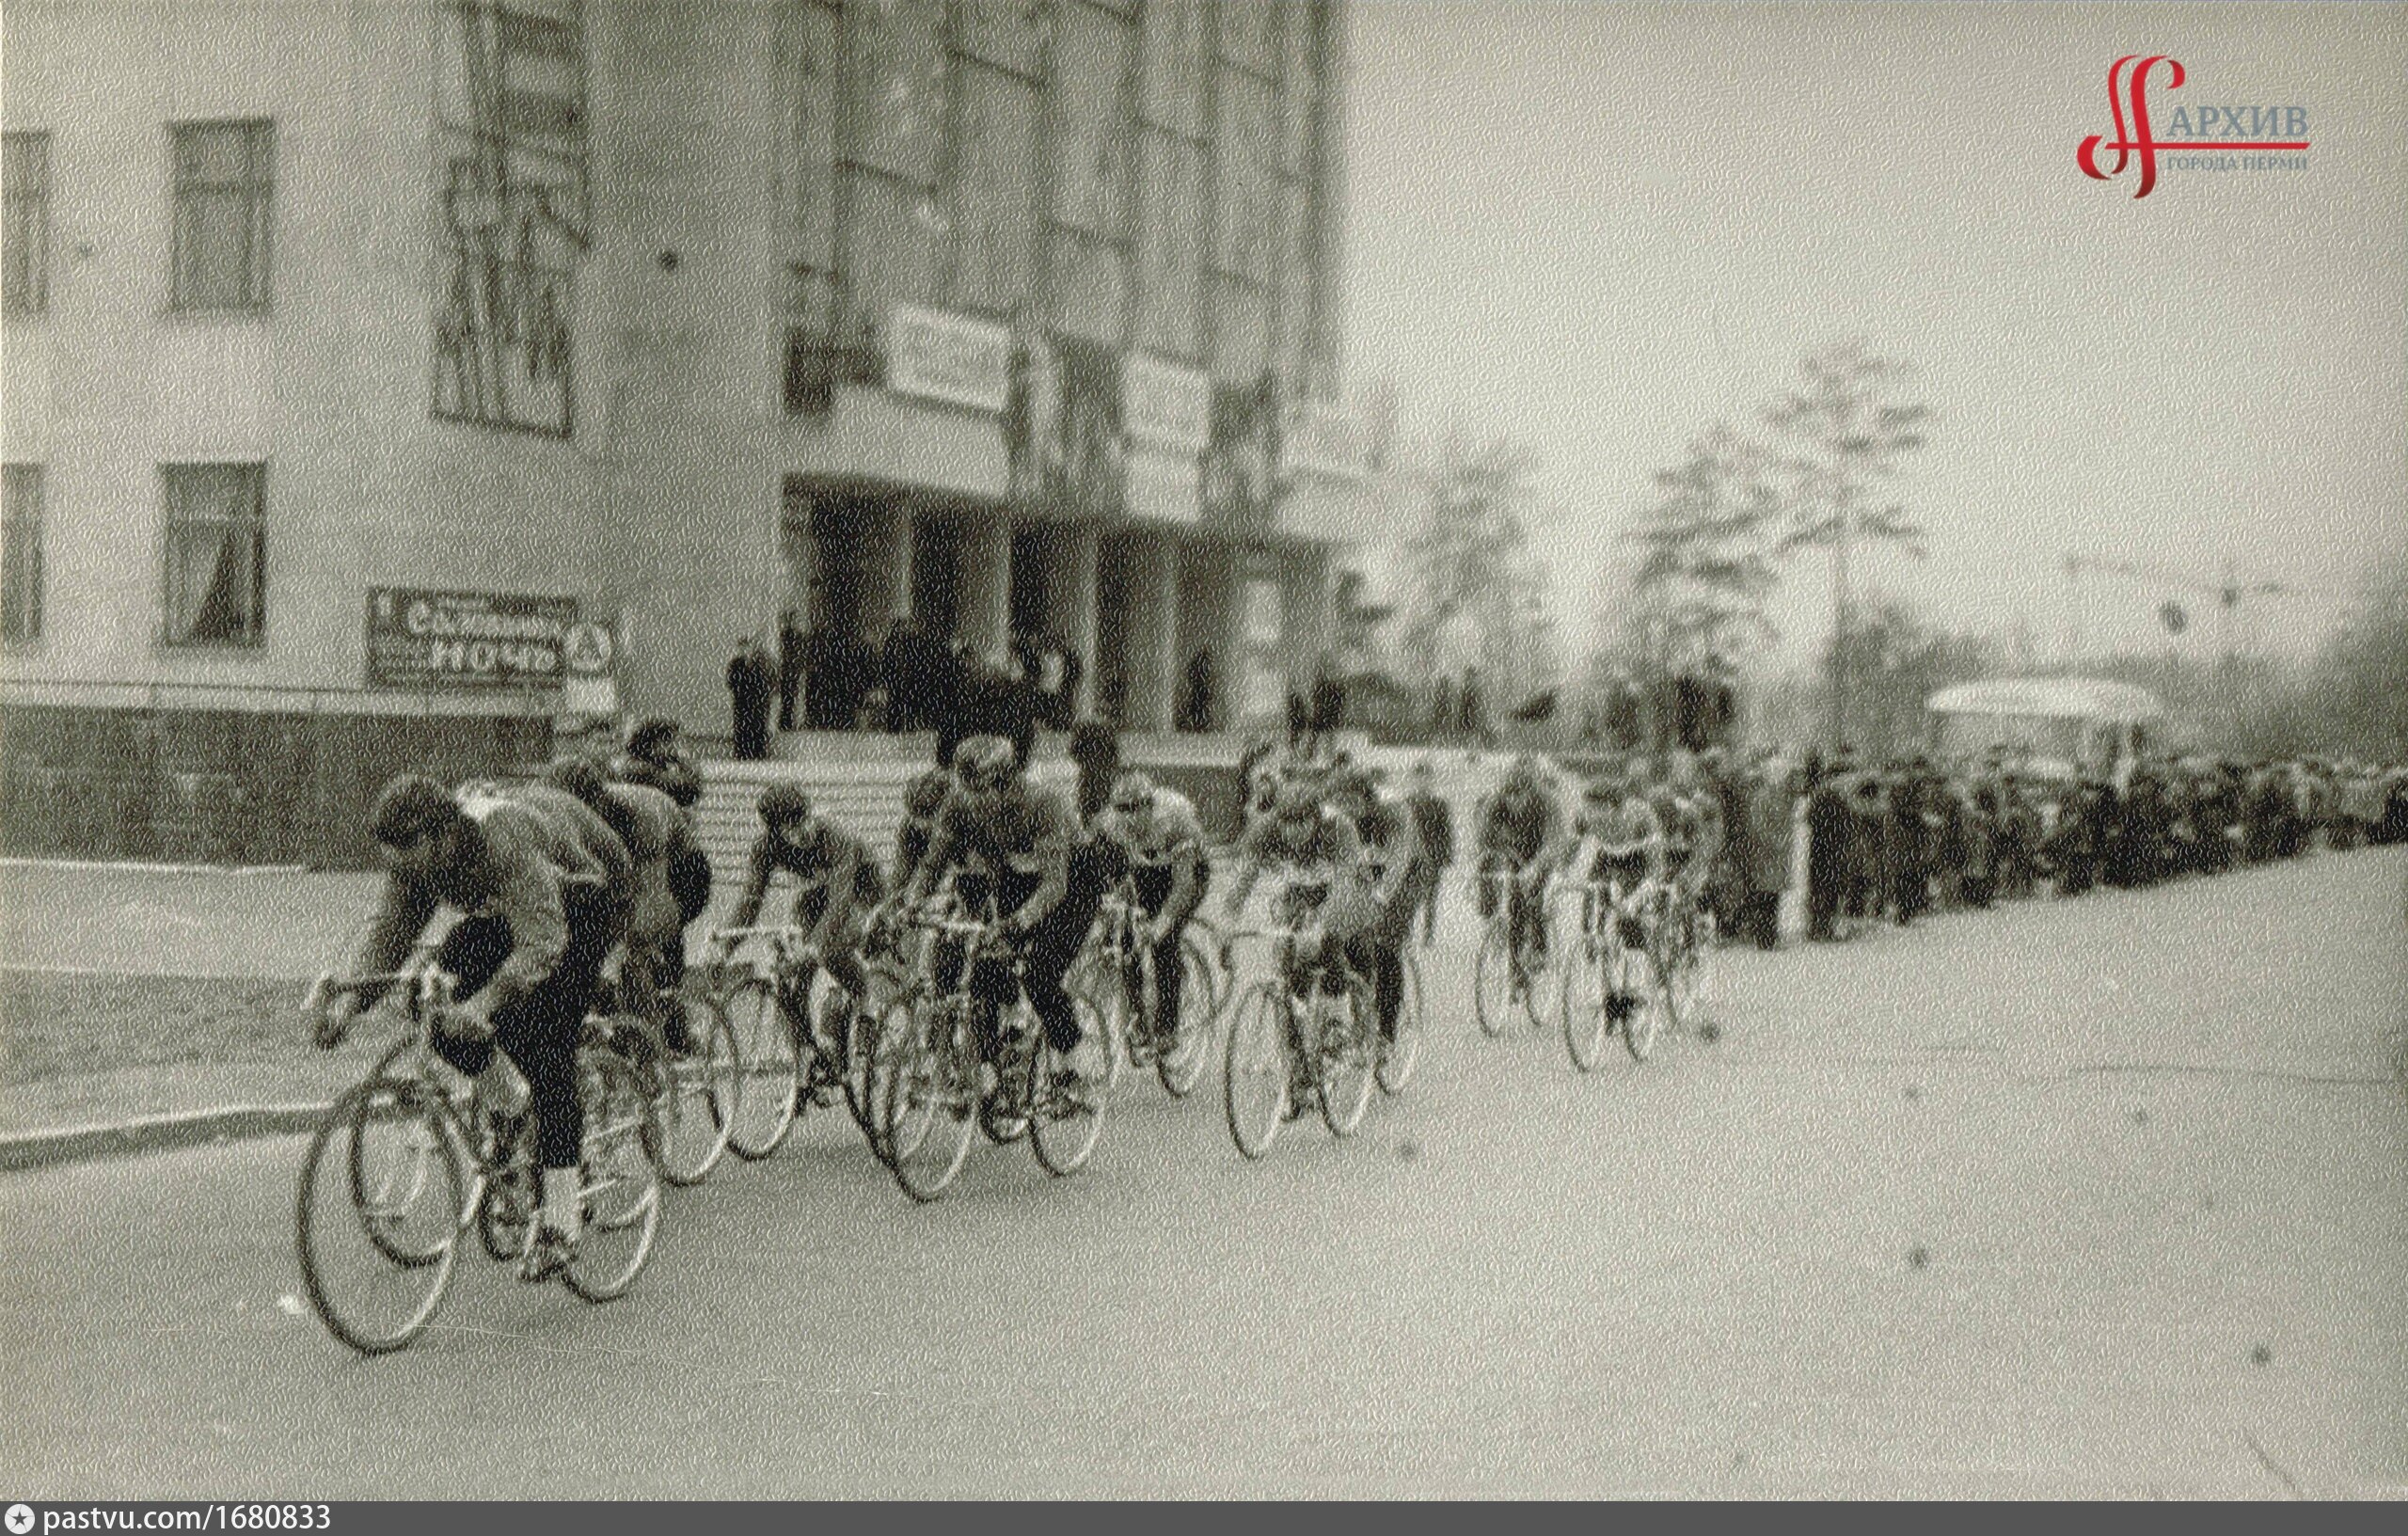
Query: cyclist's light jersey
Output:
(1624,845)
(1323,868)
(1174,832)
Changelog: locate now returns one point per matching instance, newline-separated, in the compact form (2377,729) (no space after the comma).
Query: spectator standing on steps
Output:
(752,681)
(790,643)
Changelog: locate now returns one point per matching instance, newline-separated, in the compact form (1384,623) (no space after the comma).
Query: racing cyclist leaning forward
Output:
(839,882)
(1158,832)
(542,884)
(1521,824)
(996,825)
(1322,856)
(1395,866)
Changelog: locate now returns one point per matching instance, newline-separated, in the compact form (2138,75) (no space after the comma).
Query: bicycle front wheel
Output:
(1346,1047)
(621,1191)
(1587,991)
(1181,1059)
(764,1049)
(1493,986)
(1065,1115)
(1254,1081)
(381,1203)
(1404,1053)
(1646,1001)
(704,1092)
(932,1094)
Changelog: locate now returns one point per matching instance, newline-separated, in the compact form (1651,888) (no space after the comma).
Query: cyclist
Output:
(654,760)
(542,884)
(921,803)
(654,757)
(999,832)
(1693,829)
(1395,864)
(840,882)
(1619,841)
(1162,840)
(1520,823)
(655,832)
(1322,855)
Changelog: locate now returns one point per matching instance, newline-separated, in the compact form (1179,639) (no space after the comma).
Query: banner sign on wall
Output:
(442,641)
(1065,448)
(1242,456)
(948,358)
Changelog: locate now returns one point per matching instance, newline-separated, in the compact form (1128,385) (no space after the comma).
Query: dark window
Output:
(21,554)
(216,553)
(225,197)
(25,248)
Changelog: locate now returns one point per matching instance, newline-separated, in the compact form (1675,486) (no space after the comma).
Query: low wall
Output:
(231,787)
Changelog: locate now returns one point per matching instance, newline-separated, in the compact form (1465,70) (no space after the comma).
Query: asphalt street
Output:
(2102,1196)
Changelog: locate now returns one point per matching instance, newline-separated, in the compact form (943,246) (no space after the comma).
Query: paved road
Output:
(2102,1197)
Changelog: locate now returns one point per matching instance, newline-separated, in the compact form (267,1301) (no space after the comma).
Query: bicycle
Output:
(1116,975)
(1691,945)
(418,1164)
(1612,981)
(1502,979)
(937,1085)
(697,1093)
(1268,1059)
(789,1058)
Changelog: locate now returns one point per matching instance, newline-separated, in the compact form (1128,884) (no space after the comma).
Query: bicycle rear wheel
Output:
(705,1093)
(382,1202)
(764,1050)
(1397,1063)
(932,1103)
(1588,988)
(1065,1118)
(1254,1081)
(1346,1047)
(621,1191)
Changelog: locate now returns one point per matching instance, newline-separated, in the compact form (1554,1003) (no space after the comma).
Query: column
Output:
(886,568)
(1153,636)
(986,583)
(1072,559)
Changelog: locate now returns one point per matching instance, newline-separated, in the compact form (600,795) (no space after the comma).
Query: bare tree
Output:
(1845,437)
(1708,541)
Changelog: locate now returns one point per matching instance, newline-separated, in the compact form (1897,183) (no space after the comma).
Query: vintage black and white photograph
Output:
(1174,750)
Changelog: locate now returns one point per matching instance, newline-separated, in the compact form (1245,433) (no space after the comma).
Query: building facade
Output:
(357,352)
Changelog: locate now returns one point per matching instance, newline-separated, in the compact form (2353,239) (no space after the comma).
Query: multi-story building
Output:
(661,315)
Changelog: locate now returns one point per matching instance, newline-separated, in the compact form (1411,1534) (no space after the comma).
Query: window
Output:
(25,248)
(216,553)
(21,554)
(225,179)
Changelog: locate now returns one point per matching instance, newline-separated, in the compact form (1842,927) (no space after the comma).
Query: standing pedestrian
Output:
(752,683)
(1095,748)
(1435,821)
(790,643)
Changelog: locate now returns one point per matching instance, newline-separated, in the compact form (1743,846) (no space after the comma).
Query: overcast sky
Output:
(1600,227)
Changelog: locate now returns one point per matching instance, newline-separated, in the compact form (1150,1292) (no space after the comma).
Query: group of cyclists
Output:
(576,892)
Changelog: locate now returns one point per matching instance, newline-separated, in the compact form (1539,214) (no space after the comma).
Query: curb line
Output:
(155,1134)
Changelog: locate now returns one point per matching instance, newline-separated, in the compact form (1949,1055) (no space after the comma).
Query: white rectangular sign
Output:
(1164,406)
(955,358)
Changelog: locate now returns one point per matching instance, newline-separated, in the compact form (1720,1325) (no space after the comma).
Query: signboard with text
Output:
(428,640)
(958,359)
